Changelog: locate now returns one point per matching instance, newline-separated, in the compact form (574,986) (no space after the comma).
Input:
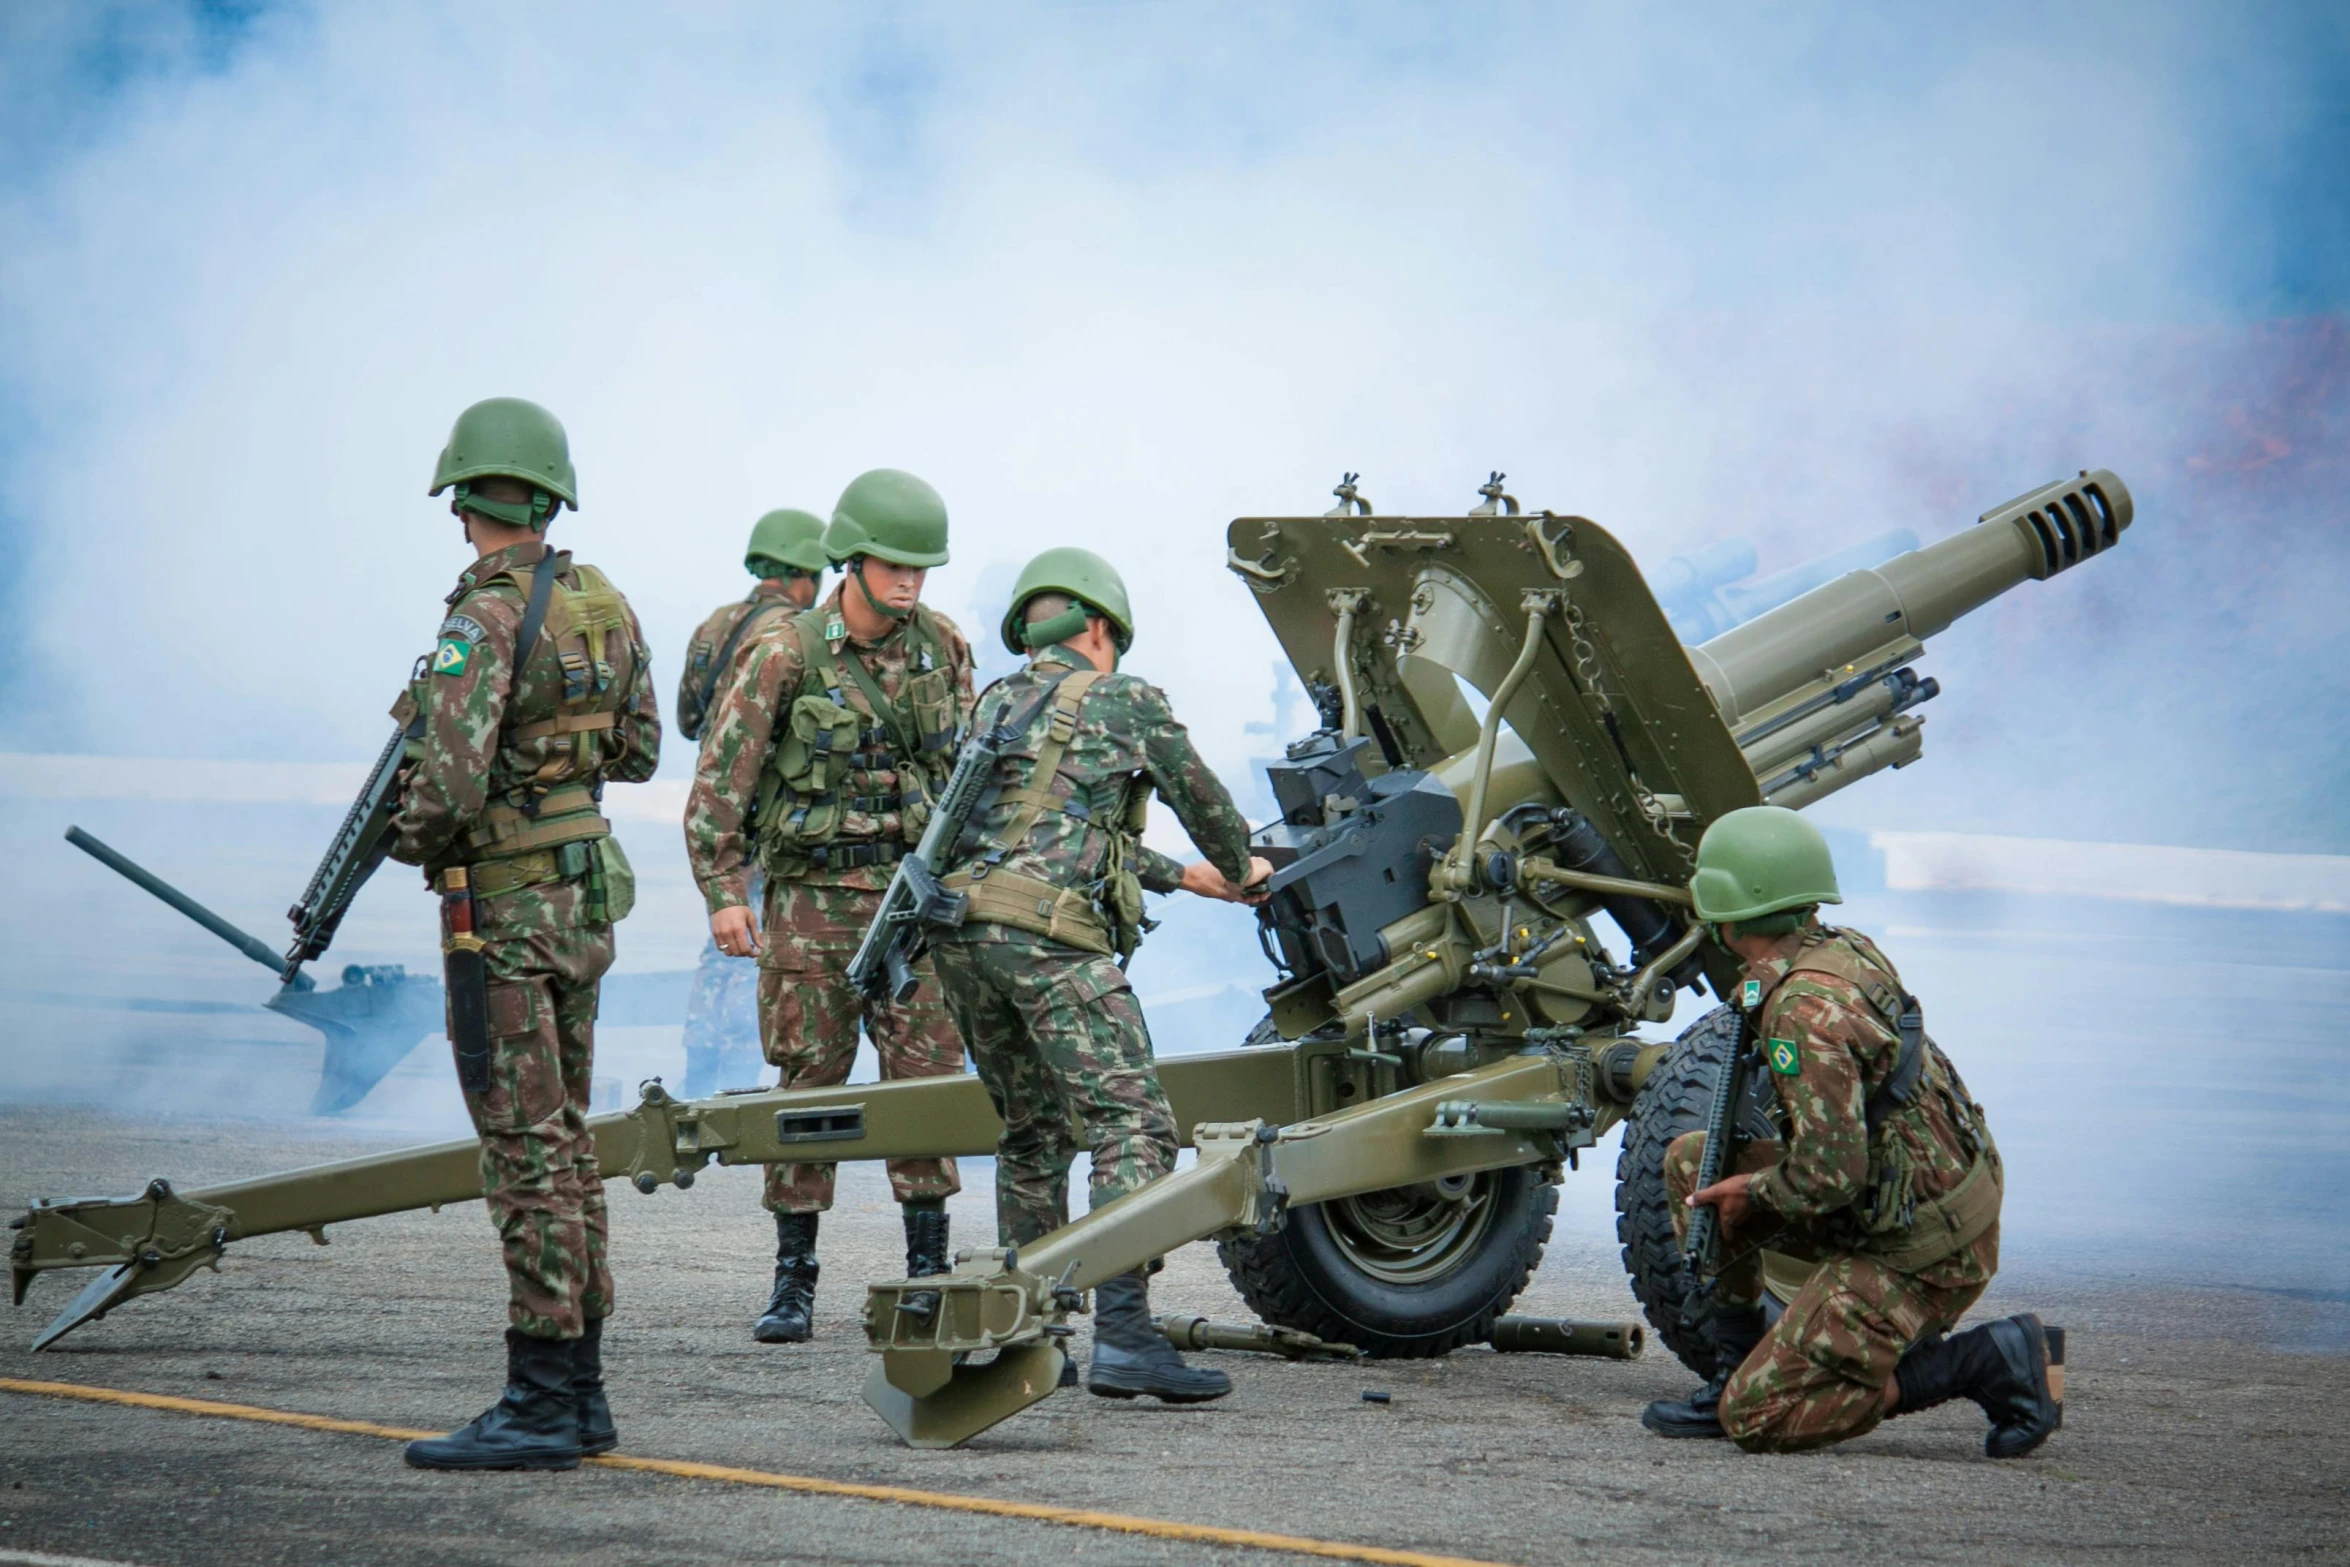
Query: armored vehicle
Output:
(1477,908)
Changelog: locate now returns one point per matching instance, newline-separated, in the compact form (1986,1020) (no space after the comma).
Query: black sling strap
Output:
(718,665)
(534,615)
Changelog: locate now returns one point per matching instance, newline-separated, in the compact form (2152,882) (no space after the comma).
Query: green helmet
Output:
(1085,577)
(1758,861)
(787,538)
(890,515)
(508,437)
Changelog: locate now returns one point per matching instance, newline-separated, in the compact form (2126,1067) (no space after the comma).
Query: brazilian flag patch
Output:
(1786,1059)
(451,657)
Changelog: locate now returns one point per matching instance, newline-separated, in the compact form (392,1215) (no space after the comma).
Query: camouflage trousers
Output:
(539,1176)
(1819,1376)
(809,1014)
(1060,1042)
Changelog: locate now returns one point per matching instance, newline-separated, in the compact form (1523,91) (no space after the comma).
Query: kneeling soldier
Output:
(537,694)
(1887,1179)
(1055,869)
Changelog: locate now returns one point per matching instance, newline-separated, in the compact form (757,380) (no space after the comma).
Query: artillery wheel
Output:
(1408,1273)
(1674,1100)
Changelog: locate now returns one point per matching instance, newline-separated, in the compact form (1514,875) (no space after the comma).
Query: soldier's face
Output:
(900,587)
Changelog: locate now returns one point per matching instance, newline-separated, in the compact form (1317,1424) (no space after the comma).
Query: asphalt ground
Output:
(2201,1422)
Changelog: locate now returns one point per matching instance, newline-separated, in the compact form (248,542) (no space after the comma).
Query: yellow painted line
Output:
(1038,1512)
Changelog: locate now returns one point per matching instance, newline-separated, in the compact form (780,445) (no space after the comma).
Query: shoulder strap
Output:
(534,613)
(1067,693)
(725,656)
(901,729)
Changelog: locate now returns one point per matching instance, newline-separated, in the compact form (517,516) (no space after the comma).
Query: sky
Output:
(1116,274)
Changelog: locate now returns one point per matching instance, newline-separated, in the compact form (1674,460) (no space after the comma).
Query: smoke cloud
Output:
(1119,273)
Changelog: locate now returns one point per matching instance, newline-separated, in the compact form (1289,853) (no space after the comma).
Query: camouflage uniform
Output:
(817,909)
(1904,1242)
(582,711)
(722,1009)
(1054,1030)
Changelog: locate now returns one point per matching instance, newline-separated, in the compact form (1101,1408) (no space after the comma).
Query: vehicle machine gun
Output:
(1450,1024)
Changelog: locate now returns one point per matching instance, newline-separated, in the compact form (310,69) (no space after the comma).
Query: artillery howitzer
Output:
(1448,1030)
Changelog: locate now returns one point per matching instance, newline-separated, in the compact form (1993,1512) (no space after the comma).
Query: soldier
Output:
(1887,1178)
(722,1011)
(1055,870)
(537,693)
(830,739)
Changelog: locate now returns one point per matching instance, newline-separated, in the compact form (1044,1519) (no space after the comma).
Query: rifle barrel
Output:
(251,946)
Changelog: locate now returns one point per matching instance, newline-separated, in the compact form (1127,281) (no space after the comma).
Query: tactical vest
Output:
(706,663)
(1889,1221)
(1104,915)
(545,819)
(845,755)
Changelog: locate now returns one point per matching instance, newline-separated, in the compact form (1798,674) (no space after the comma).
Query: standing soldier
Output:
(722,1012)
(830,739)
(1055,869)
(536,695)
(1887,1179)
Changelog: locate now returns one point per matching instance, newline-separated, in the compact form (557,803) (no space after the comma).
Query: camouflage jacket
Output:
(472,702)
(1827,1049)
(769,674)
(1125,732)
(699,686)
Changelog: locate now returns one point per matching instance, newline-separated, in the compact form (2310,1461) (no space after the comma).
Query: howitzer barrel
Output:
(1916,595)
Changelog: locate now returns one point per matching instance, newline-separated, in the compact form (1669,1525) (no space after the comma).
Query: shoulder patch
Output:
(1786,1057)
(451,657)
(1750,994)
(462,626)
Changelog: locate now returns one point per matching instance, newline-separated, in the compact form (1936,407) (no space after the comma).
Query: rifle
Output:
(1701,1248)
(915,903)
(358,848)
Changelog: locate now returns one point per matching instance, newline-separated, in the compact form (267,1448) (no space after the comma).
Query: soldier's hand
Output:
(736,931)
(1208,882)
(1260,874)
(1728,1199)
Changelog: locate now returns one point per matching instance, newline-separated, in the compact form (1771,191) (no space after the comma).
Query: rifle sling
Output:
(725,656)
(534,612)
(883,708)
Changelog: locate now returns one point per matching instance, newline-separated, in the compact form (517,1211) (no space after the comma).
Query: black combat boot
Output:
(2003,1367)
(1131,1356)
(534,1426)
(926,1253)
(596,1432)
(786,1320)
(1734,1334)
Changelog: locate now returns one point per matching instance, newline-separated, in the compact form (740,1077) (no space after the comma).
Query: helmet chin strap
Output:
(876,605)
(533,514)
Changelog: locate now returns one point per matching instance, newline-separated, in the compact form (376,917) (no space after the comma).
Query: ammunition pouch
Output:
(1947,1224)
(827,745)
